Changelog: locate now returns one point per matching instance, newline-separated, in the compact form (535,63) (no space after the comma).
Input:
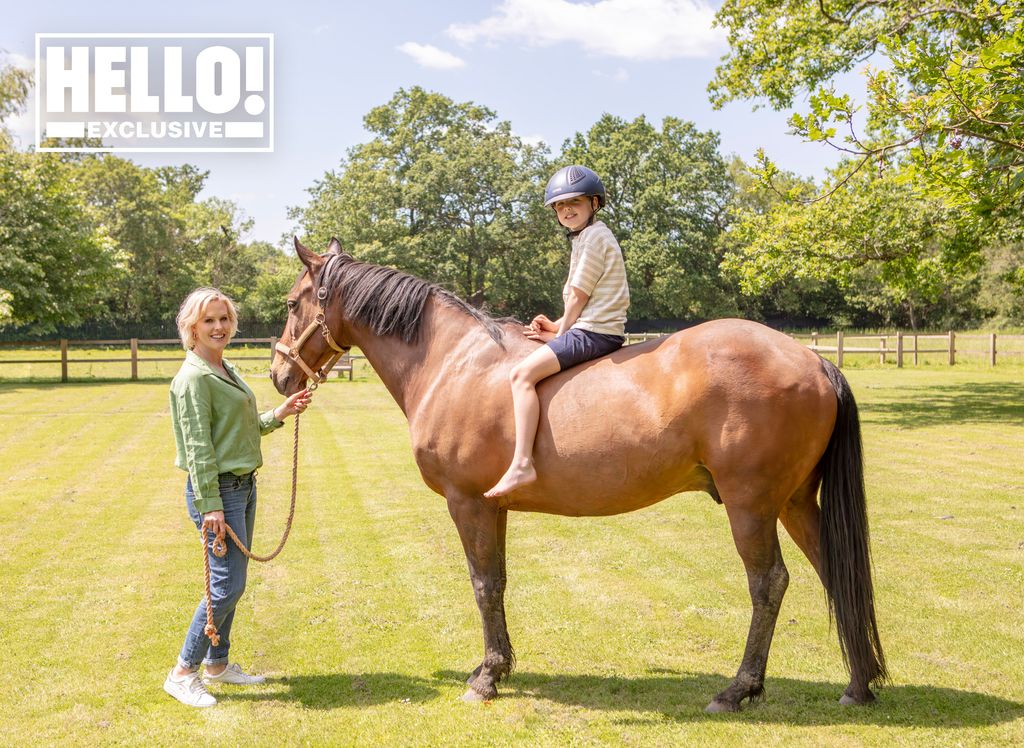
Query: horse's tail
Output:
(845,558)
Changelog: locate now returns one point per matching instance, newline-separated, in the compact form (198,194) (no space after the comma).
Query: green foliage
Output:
(945,95)
(445,192)
(275,273)
(889,250)
(14,87)
(54,267)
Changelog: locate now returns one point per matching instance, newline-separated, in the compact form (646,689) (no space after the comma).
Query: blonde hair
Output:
(194,307)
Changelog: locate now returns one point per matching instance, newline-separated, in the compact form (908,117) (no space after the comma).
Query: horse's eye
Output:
(290,304)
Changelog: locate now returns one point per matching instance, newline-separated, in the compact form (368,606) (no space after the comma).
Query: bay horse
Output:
(729,407)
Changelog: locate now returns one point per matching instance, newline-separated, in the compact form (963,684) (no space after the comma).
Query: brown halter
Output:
(320,320)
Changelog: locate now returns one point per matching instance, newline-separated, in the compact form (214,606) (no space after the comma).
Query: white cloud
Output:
(430,56)
(630,29)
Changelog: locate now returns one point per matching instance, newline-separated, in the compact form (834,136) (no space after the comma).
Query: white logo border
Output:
(149,35)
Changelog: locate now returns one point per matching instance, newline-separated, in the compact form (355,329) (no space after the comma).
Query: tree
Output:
(944,97)
(897,254)
(667,196)
(165,240)
(444,191)
(55,268)
(14,87)
(264,300)
(789,298)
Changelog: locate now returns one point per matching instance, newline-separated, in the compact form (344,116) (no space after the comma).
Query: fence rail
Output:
(133,344)
(907,346)
(902,350)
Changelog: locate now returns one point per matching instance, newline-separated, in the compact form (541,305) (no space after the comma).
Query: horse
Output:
(729,407)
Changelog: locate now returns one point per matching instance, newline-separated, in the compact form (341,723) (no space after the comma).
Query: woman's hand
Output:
(214,522)
(293,405)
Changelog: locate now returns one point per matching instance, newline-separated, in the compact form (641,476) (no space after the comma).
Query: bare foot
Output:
(514,477)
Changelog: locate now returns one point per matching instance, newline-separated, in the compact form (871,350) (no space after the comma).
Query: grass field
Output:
(624,627)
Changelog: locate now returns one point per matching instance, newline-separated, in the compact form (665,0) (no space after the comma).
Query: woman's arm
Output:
(294,405)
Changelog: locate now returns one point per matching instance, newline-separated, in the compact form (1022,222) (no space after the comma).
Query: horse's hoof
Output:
(717,707)
(474,697)
(848,700)
(472,676)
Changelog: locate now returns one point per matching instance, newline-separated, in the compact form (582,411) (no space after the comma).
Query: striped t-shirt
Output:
(596,268)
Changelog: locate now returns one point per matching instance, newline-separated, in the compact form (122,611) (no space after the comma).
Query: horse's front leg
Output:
(481,527)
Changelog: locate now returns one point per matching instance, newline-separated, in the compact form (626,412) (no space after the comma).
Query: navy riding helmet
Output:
(572,181)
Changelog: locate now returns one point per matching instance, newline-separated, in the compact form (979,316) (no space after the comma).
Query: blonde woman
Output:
(217,432)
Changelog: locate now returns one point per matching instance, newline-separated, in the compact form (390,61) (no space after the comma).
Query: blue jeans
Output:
(227,575)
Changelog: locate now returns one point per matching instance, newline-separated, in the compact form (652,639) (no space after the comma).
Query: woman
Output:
(217,432)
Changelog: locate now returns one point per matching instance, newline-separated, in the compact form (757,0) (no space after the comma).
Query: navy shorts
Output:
(577,346)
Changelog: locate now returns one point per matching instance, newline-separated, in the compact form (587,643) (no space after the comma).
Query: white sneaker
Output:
(188,689)
(233,674)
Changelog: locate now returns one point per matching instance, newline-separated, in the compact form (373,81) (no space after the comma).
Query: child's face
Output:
(575,212)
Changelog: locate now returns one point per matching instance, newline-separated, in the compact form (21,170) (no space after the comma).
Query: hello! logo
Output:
(154,92)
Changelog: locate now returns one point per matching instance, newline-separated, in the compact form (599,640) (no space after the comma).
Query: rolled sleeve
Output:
(194,414)
(269,422)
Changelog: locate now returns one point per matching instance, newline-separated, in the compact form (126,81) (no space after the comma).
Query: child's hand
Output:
(544,336)
(541,323)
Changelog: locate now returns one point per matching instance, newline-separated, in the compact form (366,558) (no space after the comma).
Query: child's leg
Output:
(524,376)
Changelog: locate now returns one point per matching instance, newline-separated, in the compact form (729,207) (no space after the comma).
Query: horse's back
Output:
(652,419)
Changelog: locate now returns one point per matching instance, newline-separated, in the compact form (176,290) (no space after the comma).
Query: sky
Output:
(549,67)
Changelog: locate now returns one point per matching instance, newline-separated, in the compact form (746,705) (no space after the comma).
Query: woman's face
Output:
(212,328)
(575,212)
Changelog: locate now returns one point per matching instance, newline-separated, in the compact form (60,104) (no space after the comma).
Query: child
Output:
(596,297)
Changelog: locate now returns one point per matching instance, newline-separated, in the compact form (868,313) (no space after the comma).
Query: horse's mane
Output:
(391,302)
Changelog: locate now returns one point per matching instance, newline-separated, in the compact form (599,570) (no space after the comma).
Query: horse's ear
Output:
(335,247)
(309,258)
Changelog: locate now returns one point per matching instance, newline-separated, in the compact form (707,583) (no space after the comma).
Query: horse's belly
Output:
(610,467)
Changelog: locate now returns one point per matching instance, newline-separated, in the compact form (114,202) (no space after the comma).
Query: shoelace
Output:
(197,685)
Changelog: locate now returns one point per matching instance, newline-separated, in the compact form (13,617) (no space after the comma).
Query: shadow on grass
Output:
(970,402)
(683,696)
(335,690)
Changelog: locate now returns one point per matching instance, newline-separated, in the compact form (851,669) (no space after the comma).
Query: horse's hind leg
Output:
(481,528)
(802,520)
(757,541)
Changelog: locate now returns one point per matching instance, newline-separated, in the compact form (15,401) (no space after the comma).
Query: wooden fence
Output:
(907,346)
(134,358)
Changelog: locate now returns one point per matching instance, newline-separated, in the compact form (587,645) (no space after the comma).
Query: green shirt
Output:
(217,428)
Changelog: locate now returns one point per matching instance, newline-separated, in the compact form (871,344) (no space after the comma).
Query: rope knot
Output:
(211,631)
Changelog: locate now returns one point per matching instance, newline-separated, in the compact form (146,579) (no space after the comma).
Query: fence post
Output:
(814,340)
(273,349)
(952,347)
(135,358)
(915,349)
(63,360)
(992,349)
(899,349)
(881,352)
(839,349)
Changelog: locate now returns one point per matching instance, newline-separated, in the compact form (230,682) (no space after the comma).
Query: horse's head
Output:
(308,347)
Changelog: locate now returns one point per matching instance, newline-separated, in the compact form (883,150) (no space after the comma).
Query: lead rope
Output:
(220,548)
